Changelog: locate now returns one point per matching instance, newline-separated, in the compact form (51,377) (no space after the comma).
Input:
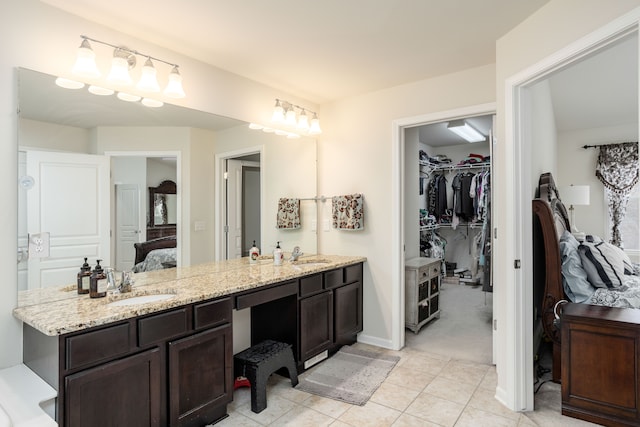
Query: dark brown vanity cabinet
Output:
(172,368)
(330,307)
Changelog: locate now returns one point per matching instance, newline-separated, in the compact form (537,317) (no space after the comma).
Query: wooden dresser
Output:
(601,364)
(422,291)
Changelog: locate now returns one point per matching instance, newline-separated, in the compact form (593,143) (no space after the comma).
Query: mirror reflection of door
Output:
(127,224)
(242,222)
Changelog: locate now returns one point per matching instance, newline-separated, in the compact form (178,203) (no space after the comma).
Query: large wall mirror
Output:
(87,162)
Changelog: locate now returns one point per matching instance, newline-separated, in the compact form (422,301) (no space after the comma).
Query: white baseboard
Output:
(378,342)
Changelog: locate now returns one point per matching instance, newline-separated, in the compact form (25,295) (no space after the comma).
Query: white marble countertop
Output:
(60,310)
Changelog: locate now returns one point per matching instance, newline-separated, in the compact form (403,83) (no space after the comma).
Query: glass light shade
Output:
(290,117)
(153,103)
(69,84)
(119,73)
(148,81)
(303,121)
(174,87)
(85,65)
(466,131)
(128,97)
(575,195)
(98,90)
(314,128)
(278,113)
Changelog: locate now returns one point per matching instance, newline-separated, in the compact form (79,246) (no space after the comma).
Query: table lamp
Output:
(574,195)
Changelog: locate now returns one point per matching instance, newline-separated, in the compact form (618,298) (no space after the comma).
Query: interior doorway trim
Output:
(219,208)
(515,382)
(397,196)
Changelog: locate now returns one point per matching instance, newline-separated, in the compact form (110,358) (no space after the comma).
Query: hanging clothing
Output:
(437,196)
(463,203)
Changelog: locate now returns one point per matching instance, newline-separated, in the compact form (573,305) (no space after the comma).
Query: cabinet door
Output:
(348,312)
(316,324)
(126,392)
(200,377)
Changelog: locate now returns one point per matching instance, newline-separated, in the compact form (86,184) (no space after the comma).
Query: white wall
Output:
(543,133)
(355,155)
(50,136)
(547,31)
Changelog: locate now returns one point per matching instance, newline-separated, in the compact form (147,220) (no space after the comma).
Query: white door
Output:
(127,226)
(234,209)
(69,200)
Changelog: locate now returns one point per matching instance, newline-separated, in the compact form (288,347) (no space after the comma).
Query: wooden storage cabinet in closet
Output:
(422,291)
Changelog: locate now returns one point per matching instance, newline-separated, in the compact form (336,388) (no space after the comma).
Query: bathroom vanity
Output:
(170,362)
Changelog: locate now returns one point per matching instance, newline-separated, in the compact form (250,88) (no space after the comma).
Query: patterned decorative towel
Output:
(348,212)
(288,214)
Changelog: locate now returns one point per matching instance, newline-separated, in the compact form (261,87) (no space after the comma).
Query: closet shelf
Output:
(447,225)
(469,166)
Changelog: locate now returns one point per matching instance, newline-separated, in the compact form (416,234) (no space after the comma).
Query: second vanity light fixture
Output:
(124,59)
(285,112)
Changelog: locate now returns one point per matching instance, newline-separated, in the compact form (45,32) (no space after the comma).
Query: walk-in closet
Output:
(448,280)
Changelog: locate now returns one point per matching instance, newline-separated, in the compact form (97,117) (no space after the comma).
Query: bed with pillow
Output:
(155,254)
(597,280)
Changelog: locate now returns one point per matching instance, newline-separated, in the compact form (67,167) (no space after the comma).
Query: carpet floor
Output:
(463,330)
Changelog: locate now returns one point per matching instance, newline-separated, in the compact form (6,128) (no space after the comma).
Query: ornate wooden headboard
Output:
(143,248)
(553,221)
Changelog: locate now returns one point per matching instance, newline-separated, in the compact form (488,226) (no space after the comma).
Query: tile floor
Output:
(424,389)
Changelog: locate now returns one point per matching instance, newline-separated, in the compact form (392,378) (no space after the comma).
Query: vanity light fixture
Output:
(128,97)
(99,90)
(266,129)
(466,131)
(68,83)
(153,103)
(295,116)
(124,60)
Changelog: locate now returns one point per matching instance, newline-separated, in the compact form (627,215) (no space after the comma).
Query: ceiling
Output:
(319,50)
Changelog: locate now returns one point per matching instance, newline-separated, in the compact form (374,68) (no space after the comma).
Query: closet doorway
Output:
(447,223)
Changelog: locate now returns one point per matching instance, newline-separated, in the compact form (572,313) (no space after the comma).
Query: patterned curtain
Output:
(617,168)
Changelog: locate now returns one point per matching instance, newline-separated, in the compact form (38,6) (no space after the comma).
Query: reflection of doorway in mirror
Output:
(127,224)
(242,210)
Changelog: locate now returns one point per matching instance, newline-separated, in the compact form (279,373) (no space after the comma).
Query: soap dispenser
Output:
(278,255)
(84,277)
(254,253)
(98,282)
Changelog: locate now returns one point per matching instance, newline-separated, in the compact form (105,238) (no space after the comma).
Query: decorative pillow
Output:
(574,278)
(602,261)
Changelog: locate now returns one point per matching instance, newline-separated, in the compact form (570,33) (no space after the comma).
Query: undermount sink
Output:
(142,299)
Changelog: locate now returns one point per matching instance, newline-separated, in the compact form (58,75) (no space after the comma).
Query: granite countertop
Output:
(59,310)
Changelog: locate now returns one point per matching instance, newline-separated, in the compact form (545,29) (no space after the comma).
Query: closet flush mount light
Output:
(466,131)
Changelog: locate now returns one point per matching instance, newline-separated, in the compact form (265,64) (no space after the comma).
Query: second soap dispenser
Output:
(278,255)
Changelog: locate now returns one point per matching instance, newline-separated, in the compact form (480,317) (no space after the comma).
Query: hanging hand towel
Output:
(348,212)
(288,214)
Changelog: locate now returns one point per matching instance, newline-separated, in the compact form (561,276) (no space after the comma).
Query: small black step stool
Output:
(257,363)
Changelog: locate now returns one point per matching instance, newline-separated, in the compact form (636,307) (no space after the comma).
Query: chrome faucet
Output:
(127,281)
(295,254)
(111,280)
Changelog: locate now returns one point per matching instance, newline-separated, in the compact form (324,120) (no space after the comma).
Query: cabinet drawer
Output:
(434,306)
(434,285)
(212,313)
(310,285)
(271,294)
(162,326)
(333,278)
(97,346)
(353,273)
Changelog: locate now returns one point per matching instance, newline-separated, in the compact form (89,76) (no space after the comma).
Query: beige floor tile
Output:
(406,420)
(236,419)
(301,416)
(455,391)
(370,415)
(276,407)
(282,387)
(425,364)
(394,396)
(490,380)
(435,409)
(409,378)
(485,400)
(472,417)
(338,423)
(467,372)
(333,408)
(525,422)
